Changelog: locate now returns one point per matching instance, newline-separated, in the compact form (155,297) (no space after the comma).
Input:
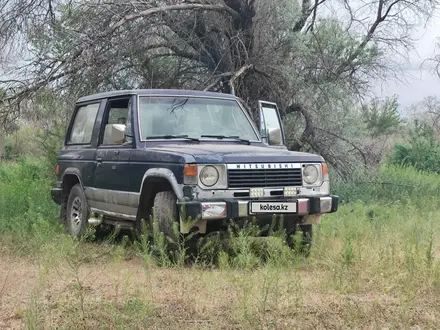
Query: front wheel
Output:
(165,213)
(305,243)
(77,212)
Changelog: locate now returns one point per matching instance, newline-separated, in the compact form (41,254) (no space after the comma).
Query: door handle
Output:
(99,159)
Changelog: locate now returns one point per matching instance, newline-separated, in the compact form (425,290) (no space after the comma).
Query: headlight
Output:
(209,176)
(310,174)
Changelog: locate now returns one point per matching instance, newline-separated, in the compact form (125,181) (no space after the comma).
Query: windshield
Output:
(193,117)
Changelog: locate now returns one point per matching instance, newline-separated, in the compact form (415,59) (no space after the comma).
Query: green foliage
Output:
(331,38)
(22,142)
(422,151)
(26,208)
(381,117)
(42,133)
(50,142)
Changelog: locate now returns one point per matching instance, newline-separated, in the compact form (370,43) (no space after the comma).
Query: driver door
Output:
(111,181)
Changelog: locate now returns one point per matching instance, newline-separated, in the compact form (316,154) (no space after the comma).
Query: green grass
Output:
(391,184)
(28,215)
(373,264)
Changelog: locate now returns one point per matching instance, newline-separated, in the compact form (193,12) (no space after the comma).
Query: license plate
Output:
(272,207)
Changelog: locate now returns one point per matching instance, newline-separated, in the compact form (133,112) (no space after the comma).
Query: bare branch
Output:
(170,8)
(238,74)
(306,11)
(382,13)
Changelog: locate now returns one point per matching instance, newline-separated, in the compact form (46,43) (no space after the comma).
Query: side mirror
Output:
(118,133)
(274,137)
(271,128)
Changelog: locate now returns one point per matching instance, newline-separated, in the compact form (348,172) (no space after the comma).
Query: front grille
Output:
(238,178)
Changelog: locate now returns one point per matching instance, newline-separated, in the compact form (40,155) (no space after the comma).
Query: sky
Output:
(421,81)
(417,80)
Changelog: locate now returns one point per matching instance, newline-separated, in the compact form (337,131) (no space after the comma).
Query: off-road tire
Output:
(77,212)
(165,213)
(306,239)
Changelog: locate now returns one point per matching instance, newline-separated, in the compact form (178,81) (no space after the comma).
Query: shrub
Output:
(422,150)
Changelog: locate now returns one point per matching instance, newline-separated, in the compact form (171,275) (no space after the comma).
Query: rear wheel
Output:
(77,212)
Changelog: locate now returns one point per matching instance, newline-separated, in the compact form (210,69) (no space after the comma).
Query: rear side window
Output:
(82,127)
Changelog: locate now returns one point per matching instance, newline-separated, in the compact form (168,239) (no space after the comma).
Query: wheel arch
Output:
(70,178)
(154,181)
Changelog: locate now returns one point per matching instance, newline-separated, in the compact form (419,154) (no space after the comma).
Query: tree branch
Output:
(237,74)
(306,11)
(169,8)
(309,130)
(355,147)
(370,33)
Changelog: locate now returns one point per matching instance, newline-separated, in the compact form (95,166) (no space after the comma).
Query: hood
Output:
(237,153)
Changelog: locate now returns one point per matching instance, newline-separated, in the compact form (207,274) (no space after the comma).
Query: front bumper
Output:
(235,209)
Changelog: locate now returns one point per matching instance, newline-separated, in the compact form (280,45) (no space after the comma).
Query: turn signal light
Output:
(190,170)
(324,169)
(190,174)
(57,170)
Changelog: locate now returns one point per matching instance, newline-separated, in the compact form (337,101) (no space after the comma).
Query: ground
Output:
(131,294)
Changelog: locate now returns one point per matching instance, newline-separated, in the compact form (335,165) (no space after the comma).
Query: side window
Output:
(117,126)
(82,127)
(128,125)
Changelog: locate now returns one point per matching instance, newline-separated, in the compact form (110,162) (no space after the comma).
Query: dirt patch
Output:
(128,295)
(17,278)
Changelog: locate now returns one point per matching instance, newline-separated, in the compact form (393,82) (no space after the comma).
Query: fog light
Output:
(290,191)
(256,192)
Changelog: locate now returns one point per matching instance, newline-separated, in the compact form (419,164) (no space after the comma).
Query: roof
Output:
(156,92)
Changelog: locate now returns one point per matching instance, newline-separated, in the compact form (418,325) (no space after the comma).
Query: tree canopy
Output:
(315,58)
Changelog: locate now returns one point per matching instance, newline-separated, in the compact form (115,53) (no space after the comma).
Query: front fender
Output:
(167,175)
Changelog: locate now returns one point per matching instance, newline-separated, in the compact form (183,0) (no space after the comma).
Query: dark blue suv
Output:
(188,157)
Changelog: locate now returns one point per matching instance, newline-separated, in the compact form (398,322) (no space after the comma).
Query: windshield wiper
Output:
(235,137)
(169,137)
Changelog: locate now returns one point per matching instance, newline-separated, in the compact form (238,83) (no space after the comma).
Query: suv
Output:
(196,157)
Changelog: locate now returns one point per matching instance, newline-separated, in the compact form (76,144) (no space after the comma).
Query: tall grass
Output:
(372,201)
(390,184)
(373,264)
(27,212)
